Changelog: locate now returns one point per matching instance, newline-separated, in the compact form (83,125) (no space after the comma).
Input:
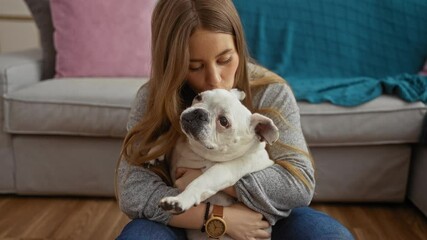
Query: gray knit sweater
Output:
(273,191)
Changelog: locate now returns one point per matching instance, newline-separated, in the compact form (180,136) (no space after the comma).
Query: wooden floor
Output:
(99,218)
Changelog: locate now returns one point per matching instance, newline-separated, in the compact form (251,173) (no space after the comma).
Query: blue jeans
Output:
(303,223)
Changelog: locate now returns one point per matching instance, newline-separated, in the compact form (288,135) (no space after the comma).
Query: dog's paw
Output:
(172,204)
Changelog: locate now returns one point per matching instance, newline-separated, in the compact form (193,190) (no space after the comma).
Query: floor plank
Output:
(379,221)
(32,218)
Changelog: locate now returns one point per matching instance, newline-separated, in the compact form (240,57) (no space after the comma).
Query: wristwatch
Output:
(215,226)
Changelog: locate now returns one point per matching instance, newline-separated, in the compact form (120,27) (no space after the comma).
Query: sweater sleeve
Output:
(274,191)
(139,189)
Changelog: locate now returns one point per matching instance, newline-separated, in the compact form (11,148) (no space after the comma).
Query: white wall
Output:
(17,29)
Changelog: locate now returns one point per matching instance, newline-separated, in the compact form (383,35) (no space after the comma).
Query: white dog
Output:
(226,141)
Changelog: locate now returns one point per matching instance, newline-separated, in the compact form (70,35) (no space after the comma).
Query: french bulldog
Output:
(226,141)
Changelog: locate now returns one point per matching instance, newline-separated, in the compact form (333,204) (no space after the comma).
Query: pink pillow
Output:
(102,38)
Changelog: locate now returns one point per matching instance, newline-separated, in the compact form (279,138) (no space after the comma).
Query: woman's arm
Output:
(275,191)
(139,189)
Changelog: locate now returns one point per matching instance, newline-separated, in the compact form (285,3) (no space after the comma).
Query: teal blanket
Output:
(342,51)
(358,90)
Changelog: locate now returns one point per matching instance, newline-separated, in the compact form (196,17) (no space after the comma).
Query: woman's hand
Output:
(185,176)
(244,223)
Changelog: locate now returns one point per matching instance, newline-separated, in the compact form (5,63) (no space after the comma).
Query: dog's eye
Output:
(224,121)
(198,97)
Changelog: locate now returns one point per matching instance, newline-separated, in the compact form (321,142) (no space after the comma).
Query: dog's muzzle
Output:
(192,121)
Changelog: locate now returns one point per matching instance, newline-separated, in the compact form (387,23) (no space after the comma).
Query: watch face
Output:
(215,227)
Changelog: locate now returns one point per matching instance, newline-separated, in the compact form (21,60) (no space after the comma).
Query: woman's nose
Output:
(213,75)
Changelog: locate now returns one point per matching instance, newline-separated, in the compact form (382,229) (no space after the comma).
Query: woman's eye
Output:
(224,61)
(223,121)
(195,68)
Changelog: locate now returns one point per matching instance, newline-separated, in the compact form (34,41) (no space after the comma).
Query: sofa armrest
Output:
(18,69)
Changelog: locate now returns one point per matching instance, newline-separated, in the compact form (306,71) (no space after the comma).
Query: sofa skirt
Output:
(417,191)
(61,165)
(362,173)
(84,166)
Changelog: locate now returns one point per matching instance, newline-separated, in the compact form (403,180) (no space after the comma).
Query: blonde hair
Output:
(173,23)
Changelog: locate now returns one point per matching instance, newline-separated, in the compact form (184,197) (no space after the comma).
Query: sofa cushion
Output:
(384,120)
(72,106)
(102,38)
(100,107)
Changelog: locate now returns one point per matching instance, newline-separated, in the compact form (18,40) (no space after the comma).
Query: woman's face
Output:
(213,61)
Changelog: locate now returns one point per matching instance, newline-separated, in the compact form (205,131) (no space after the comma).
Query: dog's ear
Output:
(265,128)
(239,94)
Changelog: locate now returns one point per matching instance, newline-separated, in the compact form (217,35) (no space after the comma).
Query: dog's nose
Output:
(195,115)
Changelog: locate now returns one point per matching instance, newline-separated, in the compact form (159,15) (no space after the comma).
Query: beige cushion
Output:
(72,106)
(384,120)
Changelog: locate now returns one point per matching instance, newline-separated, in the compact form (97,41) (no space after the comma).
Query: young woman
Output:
(199,45)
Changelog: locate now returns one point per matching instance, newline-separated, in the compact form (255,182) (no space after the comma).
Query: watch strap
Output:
(203,229)
(218,211)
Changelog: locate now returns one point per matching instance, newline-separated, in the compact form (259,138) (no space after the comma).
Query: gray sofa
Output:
(63,137)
